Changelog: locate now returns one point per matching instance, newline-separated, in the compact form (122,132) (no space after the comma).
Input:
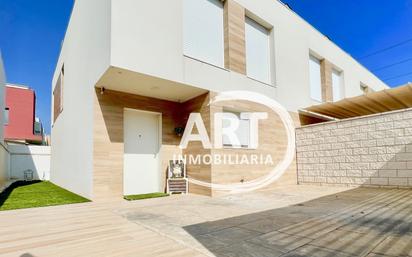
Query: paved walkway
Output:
(355,222)
(81,230)
(361,222)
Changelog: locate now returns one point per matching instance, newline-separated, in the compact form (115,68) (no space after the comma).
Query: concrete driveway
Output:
(286,221)
(352,222)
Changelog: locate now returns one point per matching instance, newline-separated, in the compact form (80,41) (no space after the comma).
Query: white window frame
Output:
(337,74)
(60,79)
(61,87)
(258,38)
(203,31)
(247,134)
(315,78)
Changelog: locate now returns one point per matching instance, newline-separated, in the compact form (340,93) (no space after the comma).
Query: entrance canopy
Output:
(371,103)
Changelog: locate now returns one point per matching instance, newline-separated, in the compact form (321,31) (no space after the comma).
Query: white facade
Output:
(4,155)
(130,45)
(160,51)
(85,54)
(2,97)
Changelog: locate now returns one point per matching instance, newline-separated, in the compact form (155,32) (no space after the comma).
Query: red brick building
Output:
(20,123)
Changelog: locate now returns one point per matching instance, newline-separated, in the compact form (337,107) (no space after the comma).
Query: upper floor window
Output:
(6,115)
(337,83)
(315,79)
(58,96)
(38,128)
(203,31)
(257,51)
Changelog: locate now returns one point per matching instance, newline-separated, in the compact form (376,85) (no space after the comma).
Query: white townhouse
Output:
(130,72)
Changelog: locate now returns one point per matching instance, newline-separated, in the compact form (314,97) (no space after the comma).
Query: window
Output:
(242,132)
(38,127)
(58,96)
(6,115)
(203,32)
(315,79)
(337,85)
(257,51)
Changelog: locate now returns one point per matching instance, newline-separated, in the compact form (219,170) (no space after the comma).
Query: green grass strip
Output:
(144,196)
(32,194)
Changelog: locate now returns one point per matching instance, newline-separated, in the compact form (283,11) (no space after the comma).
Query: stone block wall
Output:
(373,150)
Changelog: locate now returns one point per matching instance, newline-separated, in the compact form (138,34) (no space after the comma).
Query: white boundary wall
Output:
(4,163)
(35,158)
(373,150)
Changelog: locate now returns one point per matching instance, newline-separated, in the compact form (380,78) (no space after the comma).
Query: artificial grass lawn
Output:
(36,194)
(144,196)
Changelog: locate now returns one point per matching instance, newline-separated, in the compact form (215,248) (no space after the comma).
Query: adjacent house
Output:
(20,124)
(130,73)
(19,127)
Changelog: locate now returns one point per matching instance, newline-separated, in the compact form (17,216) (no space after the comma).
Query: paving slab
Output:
(280,241)
(270,224)
(233,235)
(353,243)
(285,221)
(247,249)
(395,246)
(314,251)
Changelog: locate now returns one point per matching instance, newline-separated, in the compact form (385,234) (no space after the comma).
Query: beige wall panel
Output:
(235,45)
(272,141)
(201,172)
(326,78)
(108,137)
(108,142)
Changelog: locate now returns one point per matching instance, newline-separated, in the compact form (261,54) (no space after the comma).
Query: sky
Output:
(31,33)
(362,27)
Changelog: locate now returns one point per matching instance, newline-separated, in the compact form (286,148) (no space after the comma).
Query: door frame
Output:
(159,159)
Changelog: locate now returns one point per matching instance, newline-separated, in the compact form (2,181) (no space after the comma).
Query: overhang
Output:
(371,103)
(131,82)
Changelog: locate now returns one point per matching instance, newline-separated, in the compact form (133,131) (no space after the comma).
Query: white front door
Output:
(141,174)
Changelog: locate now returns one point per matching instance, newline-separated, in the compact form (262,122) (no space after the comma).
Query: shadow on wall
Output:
(352,223)
(393,165)
(108,134)
(29,158)
(378,166)
(27,255)
(110,106)
(367,151)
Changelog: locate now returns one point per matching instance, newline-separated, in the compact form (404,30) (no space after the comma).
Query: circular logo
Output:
(288,157)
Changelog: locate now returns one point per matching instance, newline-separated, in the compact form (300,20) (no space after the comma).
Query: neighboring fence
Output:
(35,158)
(4,163)
(374,150)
